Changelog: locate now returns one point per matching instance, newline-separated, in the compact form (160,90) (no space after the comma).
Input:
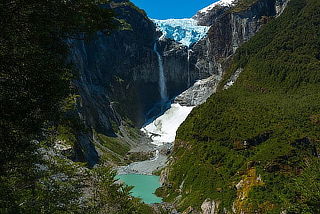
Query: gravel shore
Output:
(149,166)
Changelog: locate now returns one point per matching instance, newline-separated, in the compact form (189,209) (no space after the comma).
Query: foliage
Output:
(307,189)
(243,5)
(111,196)
(34,73)
(114,148)
(51,185)
(35,100)
(267,120)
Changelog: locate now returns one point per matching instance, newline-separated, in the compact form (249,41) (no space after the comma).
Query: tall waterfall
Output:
(189,78)
(162,78)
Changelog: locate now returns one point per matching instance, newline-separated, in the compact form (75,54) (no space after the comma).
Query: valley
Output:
(109,111)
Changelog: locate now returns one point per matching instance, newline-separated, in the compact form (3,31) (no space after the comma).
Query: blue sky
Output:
(165,9)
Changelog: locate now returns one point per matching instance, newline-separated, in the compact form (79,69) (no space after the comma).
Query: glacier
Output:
(185,31)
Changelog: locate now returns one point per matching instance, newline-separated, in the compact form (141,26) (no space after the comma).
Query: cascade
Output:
(162,79)
(189,80)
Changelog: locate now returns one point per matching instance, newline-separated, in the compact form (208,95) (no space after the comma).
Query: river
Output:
(162,131)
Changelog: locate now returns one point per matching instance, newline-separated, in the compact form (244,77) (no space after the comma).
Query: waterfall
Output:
(162,79)
(189,78)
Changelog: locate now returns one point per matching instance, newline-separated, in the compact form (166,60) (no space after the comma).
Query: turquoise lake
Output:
(144,186)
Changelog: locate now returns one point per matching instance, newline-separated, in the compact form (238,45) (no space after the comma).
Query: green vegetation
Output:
(37,110)
(139,156)
(113,197)
(113,148)
(114,144)
(267,122)
(243,5)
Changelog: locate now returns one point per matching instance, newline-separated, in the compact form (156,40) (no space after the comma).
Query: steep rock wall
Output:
(116,67)
(119,75)
(230,27)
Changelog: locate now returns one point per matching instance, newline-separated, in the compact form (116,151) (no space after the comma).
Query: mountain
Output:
(235,150)
(230,97)
(253,147)
(120,78)
(119,81)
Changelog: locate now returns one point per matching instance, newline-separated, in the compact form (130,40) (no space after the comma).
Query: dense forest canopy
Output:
(36,94)
(35,75)
(265,126)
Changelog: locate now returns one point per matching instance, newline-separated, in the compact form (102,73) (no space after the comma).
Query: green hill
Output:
(264,130)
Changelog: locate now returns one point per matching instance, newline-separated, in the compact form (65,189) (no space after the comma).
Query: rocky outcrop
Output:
(230,27)
(85,150)
(177,66)
(249,180)
(199,92)
(117,71)
(209,207)
(233,78)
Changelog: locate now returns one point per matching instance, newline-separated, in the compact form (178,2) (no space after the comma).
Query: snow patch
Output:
(223,3)
(185,31)
(163,129)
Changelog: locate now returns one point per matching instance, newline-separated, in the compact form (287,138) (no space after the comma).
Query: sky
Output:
(166,9)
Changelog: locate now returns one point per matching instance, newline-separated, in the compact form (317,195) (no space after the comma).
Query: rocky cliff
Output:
(230,26)
(119,74)
(119,68)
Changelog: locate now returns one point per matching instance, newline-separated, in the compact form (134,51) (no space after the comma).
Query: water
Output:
(144,186)
(189,79)
(162,79)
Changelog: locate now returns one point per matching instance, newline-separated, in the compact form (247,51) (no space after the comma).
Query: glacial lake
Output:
(144,186)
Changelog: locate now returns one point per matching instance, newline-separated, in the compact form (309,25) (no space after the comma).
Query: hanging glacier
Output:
(184,31)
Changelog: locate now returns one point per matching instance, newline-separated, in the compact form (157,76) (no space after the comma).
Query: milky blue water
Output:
(144,186)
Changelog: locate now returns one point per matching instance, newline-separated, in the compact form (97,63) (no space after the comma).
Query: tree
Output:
(35,80)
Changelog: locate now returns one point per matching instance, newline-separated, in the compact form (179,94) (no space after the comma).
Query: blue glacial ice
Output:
(185,31)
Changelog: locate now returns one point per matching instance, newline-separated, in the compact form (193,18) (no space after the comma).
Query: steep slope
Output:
(109,64)
(254,148)
(230,26)
(119,81)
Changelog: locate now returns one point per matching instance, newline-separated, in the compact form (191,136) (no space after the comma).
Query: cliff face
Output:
(229,28)
(116,67)
(119,74)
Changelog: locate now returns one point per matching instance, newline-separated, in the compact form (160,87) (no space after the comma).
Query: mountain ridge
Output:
(250,148)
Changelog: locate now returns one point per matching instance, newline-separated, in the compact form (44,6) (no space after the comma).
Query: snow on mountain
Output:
(224,3)
(185,31)
(164,128)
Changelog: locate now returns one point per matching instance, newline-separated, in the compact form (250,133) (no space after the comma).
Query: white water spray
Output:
(189,78)
(162,79)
